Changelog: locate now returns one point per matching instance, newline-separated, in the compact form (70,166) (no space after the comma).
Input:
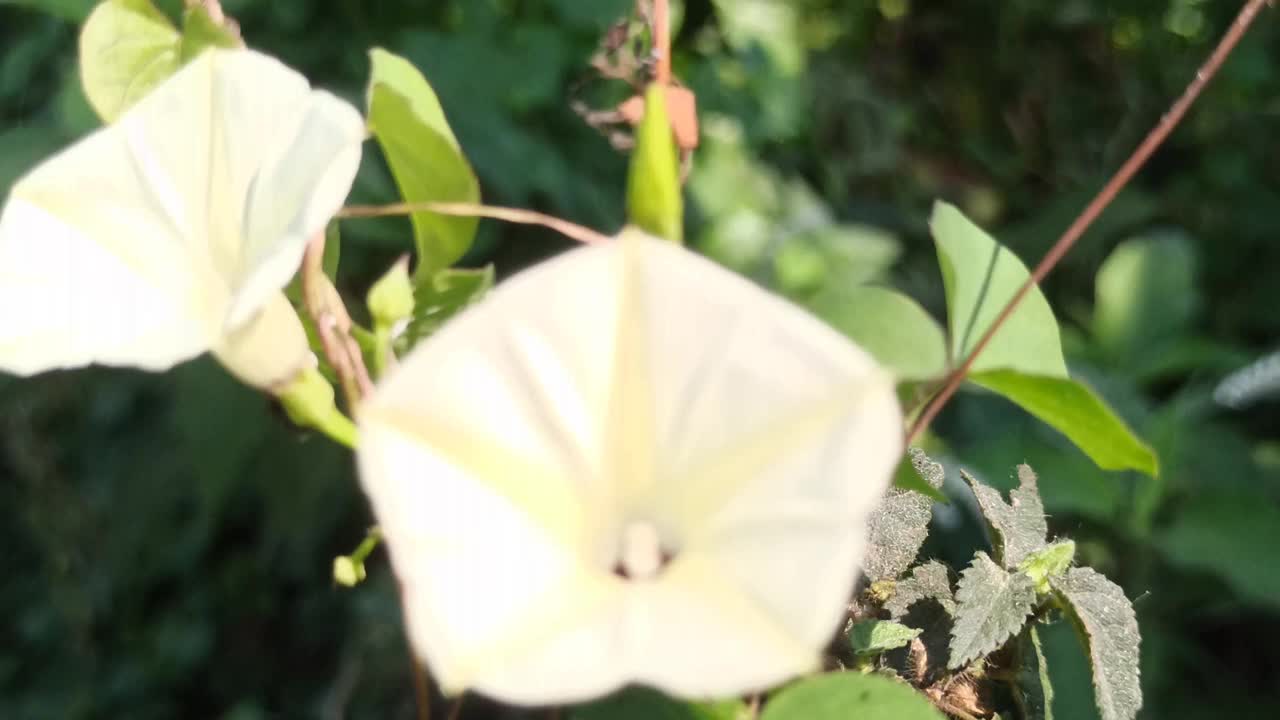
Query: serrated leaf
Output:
(441,297)
(1104,616)
(992,606)
(899,526)
(425,159)
(891,326)
(843,695)
(1074,410)
(639,703)
(872,637)
(981,276)
(127,47)
(1033,690)
(1019,525)
(654,200)
(911,475)
(1048,562)
(930,581)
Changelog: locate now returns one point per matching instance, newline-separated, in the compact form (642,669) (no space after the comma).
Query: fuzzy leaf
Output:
(1034,689)
(981,276)
(993,604)
(919,474)
(428,165)
(899,526)
(1104,617)
(931,580)
(1019,525)
(1048,562)
(872,637)
(841,695)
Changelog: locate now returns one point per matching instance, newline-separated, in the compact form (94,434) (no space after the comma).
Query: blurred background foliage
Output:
(167,540)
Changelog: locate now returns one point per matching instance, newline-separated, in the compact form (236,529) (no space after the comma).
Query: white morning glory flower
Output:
(172,231)
(627,464)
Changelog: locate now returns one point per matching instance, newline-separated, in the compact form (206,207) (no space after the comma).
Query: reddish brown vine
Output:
(1140,156)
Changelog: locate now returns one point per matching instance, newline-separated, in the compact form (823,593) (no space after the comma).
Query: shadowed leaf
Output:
(1104,617)
(992,606)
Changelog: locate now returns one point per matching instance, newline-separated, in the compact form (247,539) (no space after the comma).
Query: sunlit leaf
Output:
(127,47)
(981,276)
(890,326)
(899,526)
(428,165)
(1074,410)
(872,637)
(441,297)
(842,695)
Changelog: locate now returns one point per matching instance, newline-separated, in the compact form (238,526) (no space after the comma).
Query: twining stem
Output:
(333,324)
(570,230)
(662,41)
(1154,139)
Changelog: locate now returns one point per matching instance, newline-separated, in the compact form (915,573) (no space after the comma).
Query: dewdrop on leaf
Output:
(172,231)
(627,465)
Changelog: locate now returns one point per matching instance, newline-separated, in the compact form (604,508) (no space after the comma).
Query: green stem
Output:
(339,428)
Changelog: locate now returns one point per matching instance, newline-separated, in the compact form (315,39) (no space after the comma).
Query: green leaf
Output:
(1074,410)
(1234,537)
(899,526)
(1019,526)
(654,201)
(891,326)
(843,695)
(428,165)
(73,10)
(446,294)
(992,606)
(127,48)
(1048,562)
(1104,618)
(1033,690)
(1146,294)
(919,474)
(930,581)
(200,32)
(639,703)
(872,637)
(981,276)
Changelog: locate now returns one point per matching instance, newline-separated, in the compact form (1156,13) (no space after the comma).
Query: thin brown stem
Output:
(333,324)
(662,41)
(570,230)
(1154,139)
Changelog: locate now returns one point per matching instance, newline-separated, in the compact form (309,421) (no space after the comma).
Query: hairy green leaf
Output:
(425,159)
(842,695)
(899,526)
(981,276)
(872,637)
(891,326)
(654,200)
(1105,619)
(1033,689)
(639,703)
(930,581)
(919,474)
(444,295)
(992,606)
(1074,410)
(1048,562)
(1019,525)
